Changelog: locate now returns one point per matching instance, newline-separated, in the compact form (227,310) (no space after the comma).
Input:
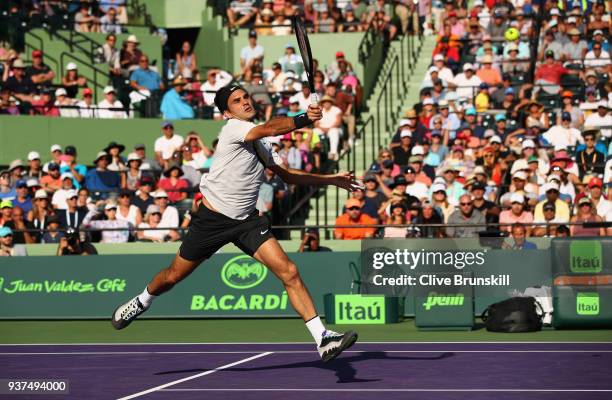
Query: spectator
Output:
(53,234)
(111,222)
(574,50)
(20,85)
(199,153)
(354,216)
(397,217)
(67,106)
(44,104)
(251,56)
(174,184)
(22,196)
(465,82)
(465,215)
(34,165)
(7,249)
(110,107)
(72,245)
(72,81)
(58,201)
(109,54)
(41,211)
(87,108)
(563,135)
(487,73)
(413,187)
(518,232)
(598,59)
(516,214)
(148,164)
(186,62)
(215,80)
(52,181)
(39,72)
(166,145)
(72,215)
(143,198)
(152,220)
(173,106)
(130,56)
(144,81)
(127,211)
(281,26)
(264,21)
(116,161)
(109,23)
(170,217)
(240,12)
(548,74)
(84,21)
(601,119)
(590,161)
(562,211)
(330,125)
(133,173)
(100,180)
(586,214)
(311,242)
(289,153)
(69,164)
(22,228)
(6,211)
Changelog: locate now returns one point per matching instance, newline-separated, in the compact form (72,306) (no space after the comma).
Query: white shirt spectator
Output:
(104,112)
(87,110)
(222,79)
(65,110)
(465,86)
(592,61)
(168,146)
(59,199)
(130,217)
(156,234)
(446,75)
(170,218)
(249,53)
(604,207)
(329,117)
(418,190)
(597,121)
(303,100)
(563,137)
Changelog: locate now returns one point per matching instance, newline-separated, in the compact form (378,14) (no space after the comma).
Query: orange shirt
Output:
(355,233)
(490,76)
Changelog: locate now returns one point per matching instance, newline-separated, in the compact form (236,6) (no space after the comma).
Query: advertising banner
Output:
(227,285)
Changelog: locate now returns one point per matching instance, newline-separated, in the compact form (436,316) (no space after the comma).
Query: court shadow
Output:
(343,367)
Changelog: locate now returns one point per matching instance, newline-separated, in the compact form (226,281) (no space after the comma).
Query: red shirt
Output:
(173,194)
(551,72)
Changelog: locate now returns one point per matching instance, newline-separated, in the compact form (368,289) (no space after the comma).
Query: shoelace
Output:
(130,310)
(331,334)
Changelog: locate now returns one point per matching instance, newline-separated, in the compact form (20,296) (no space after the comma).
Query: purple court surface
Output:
(378,371)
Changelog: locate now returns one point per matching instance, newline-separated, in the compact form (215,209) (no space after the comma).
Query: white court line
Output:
(176,382)
(388,390)
(293,352)
(279,343)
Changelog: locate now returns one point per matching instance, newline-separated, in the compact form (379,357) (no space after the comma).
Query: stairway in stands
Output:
(393,94)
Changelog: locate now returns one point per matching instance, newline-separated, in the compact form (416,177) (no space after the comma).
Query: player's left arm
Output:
(345,180)
(282,125)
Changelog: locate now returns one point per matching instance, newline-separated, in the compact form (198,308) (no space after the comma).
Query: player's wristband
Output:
(301,121)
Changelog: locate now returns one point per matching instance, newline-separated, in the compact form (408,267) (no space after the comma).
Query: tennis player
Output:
(227,214)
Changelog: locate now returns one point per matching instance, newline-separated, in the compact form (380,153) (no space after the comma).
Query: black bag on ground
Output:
(517,314)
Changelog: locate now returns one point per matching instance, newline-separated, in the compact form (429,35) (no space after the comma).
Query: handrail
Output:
(29,48)
(72,42)
(95,70)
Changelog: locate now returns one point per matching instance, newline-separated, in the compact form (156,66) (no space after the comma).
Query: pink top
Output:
(507,217)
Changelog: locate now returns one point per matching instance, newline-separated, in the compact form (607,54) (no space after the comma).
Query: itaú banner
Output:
(227,285)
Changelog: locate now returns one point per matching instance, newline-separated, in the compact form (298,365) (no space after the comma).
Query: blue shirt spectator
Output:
(100,179)
(144,78)
(173,106)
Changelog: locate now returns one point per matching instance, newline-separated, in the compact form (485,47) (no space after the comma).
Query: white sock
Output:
(316,328)
(146,298)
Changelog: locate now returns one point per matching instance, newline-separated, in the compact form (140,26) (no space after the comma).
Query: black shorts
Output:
(210,230)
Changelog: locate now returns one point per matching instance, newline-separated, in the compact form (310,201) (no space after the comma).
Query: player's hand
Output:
(346,180)
(314,112)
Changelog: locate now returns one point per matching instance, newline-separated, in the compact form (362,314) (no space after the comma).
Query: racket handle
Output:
(314,99)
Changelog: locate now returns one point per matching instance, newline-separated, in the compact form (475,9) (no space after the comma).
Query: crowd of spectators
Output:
(511,134)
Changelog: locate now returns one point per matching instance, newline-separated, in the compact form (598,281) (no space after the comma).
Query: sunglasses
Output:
(354,208)
(465,204)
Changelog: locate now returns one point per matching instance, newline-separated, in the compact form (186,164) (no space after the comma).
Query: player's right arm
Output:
(282,125)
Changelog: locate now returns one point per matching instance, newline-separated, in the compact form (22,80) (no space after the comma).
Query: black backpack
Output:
(517,314)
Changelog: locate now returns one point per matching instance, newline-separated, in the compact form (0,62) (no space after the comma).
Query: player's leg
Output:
(330,344)
(163,281)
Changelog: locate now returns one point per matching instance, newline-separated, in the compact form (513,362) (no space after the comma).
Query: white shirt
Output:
(223,78)
(170,218)
(446,75)
(608,171)
(87,110)
(330,117)
(597,120)
(103,111)
(604,207)
(130,217)
(418,190)
(157,234)
(168,146)
(465,85)
(590,60)
(560,136)
(303,100)
(59,199)
(236,173)
(249,53)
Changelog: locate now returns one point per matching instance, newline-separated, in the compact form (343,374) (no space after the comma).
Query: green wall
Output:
(176,13)
(213,47)
(19,135)
(324,47)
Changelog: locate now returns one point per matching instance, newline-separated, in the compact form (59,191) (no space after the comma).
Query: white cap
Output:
(438,57)
(418,151)
(428,101)
(70,66)
(553,178)
(436,187)
(555,11)
(571,20)
(133,39)
(479,170)
(517,198)
(495,139)
(56,147)
(489,133)
(467,66)
(433,68)
(66,175)
(294,99)
(108,206)
(109,89)
(153,208)
(133,157)
(598,32)
(60,92)
(560,147)
(41,194)
(160,193)
(442,104)
(522,175)
(404,121)
(549,186)
(33,155)
(405,133)
(519,165)
(71,193)
(602,103)
(528,144)
(478,3)
(32,182)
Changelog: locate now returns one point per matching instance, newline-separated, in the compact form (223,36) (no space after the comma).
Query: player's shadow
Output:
(343,367)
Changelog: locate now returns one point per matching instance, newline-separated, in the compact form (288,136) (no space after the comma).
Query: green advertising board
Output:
(362,309)
(582,306)
(227,285)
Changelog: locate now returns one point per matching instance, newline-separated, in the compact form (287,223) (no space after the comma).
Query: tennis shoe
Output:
(334,343)
(126,313)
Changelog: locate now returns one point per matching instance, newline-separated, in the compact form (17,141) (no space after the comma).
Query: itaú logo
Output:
(242,272)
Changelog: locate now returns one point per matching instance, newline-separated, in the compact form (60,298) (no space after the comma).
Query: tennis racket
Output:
(306,53)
